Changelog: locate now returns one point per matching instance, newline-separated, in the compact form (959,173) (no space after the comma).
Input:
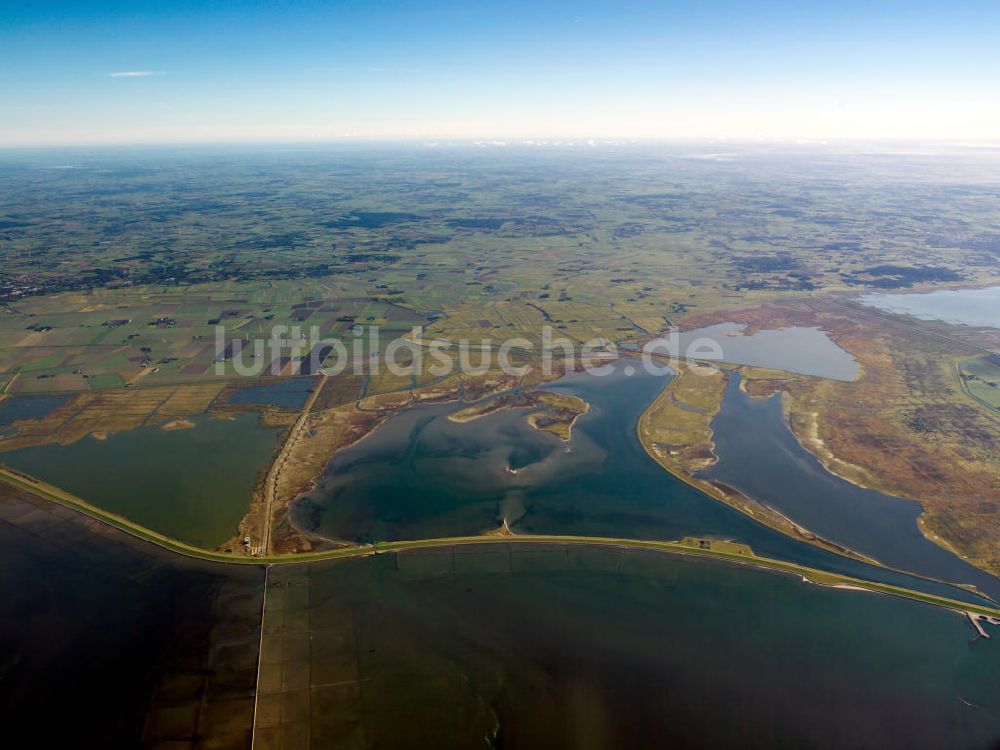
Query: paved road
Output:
(274,473)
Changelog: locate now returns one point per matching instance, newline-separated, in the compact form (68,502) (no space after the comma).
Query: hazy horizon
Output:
(841,146)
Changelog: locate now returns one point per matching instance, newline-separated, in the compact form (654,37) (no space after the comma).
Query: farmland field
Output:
(981,376)
(236,354)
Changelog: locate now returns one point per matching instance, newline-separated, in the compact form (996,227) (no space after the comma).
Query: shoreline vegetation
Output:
(905,426)
(832,420)
(331,420)
(557,412)
(676,431)
(922,415)
(722,551)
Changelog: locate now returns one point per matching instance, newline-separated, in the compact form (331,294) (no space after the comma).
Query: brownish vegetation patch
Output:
(106,412)
(487,407)
(178,424)
(677,426)
(557,412)
(904,427)
(676,430)
(560,414)
(326,432)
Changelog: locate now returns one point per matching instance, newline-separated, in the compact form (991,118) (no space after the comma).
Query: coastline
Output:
(688,546)
(724,493)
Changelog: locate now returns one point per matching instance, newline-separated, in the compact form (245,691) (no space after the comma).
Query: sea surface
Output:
(553,647)
(110,642)
(506,646)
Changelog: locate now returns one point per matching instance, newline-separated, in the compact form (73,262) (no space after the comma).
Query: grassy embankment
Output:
(724,551)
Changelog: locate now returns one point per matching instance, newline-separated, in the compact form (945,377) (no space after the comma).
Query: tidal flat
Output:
(107,641)
(508,646)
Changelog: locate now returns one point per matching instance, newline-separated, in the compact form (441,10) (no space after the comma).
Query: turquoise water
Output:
(971,307)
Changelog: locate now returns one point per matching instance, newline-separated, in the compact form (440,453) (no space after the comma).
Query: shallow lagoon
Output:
(190,484)
(290,394)
(422,476)
(799,349)
(971,307)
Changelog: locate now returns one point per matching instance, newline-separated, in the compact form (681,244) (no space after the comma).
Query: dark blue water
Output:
(29,407)
(759,455)
(562,648)
(288,394)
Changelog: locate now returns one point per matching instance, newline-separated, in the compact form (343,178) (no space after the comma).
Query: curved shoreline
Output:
(767,515)
(749,506)
(726,552)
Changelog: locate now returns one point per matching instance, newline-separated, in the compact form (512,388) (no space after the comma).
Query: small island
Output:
(562,411)
(555,413)
(484,408)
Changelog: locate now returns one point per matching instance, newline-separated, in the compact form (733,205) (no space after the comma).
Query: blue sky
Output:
(318,70)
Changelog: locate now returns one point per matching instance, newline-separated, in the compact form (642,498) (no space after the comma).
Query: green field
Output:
(981,378)
(107,266)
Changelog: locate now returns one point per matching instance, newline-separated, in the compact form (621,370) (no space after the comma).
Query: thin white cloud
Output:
(137,73)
